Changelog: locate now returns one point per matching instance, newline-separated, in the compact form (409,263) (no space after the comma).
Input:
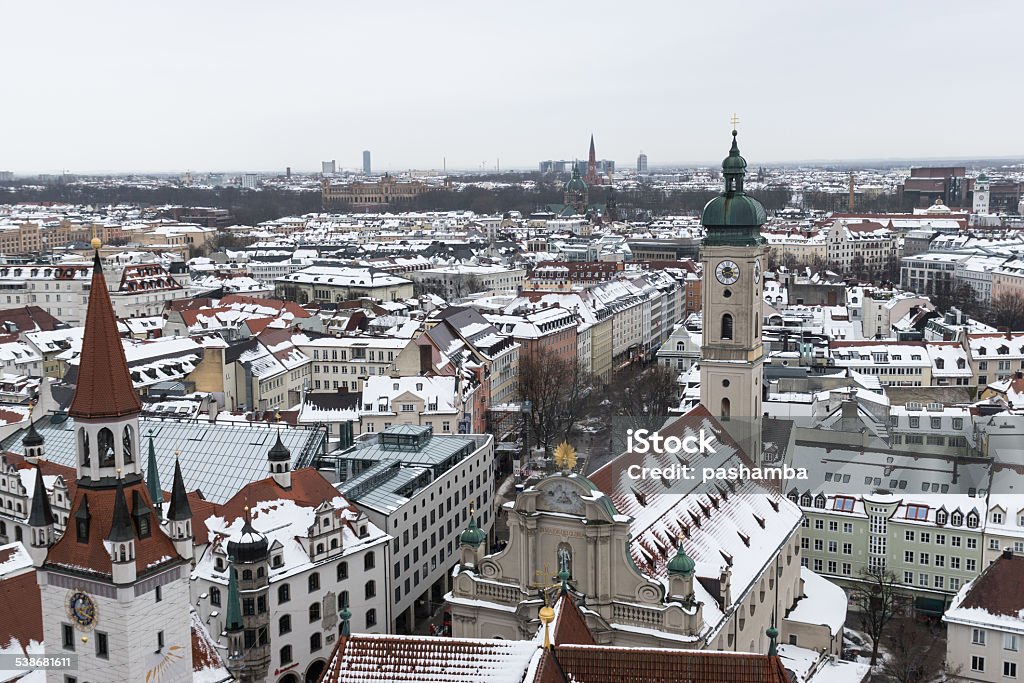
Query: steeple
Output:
(733,217)
(681,569)
(179,508)
(120,540)
(104,388)
(345,614)
(279,459)
(592,163)
(32,441)
(179,516)
(156,493)
(40,521)
(105,406)
(773,634)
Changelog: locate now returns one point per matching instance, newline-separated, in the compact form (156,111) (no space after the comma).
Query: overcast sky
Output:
(146,86)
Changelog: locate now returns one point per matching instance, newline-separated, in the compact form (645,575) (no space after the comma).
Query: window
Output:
(1009,669)
(159,641)
(102,646)
(908,536)
(368,561)
(284,593)
(923,558)
(159,593)
(819,524)
(847,527)
(315,642)
(977,663)
(314,582)
(977,636)
(726,326)
(917,512)
(286,655)
(284,624)
(371,589)
(908,556)
(908,577)
(67,636)
(371,618)
(1010,642)
(215,596)
(314,612)
(342,571)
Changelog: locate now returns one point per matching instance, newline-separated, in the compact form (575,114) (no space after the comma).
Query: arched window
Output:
(215,596)
(371,589)
(284,624)
(726,326)
(369,560)
(342,571)
(247,575)
(126,444)
(315,642)
(284,593)
(85,449)
(17,533)
(725,408)
(286,655)
(105,446)
(314,612)
(314,582)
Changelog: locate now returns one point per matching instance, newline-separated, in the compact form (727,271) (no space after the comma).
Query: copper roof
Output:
(104,386)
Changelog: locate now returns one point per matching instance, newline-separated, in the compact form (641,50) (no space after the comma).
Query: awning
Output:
(933,606)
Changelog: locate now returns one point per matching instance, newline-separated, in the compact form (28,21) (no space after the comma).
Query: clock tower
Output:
(114,588)
(733,256)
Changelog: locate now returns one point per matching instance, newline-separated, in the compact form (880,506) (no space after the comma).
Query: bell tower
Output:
(733,256)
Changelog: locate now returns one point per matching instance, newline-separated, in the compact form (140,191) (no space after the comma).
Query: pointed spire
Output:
(233,620)
(121,528)
(179,508)
(104,388)
(473,535)
(156,493)
(41,513)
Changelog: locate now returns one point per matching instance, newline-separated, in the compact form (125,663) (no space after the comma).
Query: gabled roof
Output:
(20,604)
(104,387)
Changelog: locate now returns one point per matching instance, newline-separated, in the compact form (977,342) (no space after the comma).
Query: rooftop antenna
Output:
(851,202)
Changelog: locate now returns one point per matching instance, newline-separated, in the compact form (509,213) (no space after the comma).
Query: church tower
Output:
(733,255)
(591,176)
(114,589)
(577,194)
(981,195)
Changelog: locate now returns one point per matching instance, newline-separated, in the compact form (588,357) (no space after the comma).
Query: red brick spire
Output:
(104,386)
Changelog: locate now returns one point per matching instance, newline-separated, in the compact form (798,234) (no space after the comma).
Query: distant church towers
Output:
(733,255)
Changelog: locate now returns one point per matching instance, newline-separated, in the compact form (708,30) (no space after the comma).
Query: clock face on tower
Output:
(82,610)
(757,271)
(727,272)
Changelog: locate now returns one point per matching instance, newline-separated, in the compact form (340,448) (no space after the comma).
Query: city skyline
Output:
(359,79)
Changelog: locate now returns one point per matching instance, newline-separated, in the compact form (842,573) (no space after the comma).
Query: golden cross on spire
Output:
(734,120)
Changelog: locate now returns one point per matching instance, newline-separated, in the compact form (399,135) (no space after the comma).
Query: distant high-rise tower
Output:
(641,163)
(592,177)
(328,167)
(366,162)
(852,200)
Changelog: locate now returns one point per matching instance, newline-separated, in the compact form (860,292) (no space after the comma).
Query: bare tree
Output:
(645,398)
(875,597)
(559,393)
(1008,311)
(916,653)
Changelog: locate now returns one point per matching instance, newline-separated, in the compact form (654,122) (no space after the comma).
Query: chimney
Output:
(848,408)
(426,358)
(1007,553)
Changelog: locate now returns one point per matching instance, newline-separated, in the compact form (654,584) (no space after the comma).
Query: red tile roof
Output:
(156,550)
(570,625)
(104,387)
(602,664)
(20,605)
(308,489)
